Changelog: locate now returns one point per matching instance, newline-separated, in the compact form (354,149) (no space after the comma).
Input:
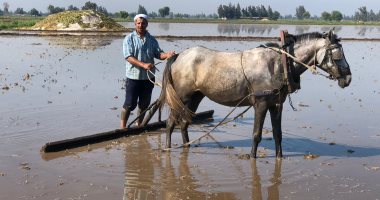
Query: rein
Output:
(312,68)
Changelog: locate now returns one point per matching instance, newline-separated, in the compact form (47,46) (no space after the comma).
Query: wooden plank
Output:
(114,134)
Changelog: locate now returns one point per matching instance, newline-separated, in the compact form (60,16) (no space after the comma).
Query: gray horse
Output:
(250,78)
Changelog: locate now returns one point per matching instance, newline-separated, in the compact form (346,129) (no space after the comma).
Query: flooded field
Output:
(258,30)
(55,88)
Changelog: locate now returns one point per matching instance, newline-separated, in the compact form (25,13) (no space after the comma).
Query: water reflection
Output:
(80,42)
(266,30)
(246,29)
(302,29)
(146,177)
(139,170)
(366,30)
(275,182)
(164,26)
(166,175)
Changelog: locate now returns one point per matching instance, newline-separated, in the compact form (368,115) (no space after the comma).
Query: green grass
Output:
(11,22)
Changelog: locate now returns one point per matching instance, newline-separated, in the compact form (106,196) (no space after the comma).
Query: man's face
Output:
(140,25)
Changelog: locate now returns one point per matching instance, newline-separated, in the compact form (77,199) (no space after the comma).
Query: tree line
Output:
(230,11)
(256,12)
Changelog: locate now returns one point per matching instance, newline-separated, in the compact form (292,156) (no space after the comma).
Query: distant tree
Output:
(306,15)
(153,14)
(300,12)
(326,16)
(263,11)
(238,11)
(19,11)
(141,10)
(53,10)
(252,11)
(270,12)
(103,10)
(227,11)
(34,12)
(221,12)
(71,7)
(336,15)
(276,15)
(164,11)
(288,16)
(259,12)
(90,6)
(6,7)
(371,16)
(1,12)
(123,14)
(361,14)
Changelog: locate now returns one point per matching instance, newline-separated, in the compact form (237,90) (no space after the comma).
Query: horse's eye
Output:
(337,54)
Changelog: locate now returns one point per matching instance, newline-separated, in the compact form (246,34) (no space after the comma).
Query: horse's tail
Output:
(170,97)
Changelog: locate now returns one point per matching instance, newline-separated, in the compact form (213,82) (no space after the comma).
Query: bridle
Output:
(333,57)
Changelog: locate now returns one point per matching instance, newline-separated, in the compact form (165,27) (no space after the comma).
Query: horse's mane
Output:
(307,36)
(271,44)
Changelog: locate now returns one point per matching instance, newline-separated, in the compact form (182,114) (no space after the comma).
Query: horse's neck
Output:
(306,53)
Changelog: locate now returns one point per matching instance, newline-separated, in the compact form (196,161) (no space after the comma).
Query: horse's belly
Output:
(225,92)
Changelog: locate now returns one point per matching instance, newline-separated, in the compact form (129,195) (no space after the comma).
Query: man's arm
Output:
(166,55)
(136,62)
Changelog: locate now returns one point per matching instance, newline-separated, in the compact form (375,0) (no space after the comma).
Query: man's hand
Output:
(167,55)
(136,62)
(170,54)
(147,66)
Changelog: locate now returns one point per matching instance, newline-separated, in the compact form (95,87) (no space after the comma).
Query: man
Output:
(139,49)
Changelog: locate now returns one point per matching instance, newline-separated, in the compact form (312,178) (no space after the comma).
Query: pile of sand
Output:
(82,20)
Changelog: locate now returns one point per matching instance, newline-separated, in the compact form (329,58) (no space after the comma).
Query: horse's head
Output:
(331,59)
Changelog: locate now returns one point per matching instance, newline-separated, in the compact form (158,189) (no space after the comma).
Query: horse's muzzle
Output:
(344,81)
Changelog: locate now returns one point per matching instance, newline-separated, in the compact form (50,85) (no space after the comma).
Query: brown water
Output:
(74,86)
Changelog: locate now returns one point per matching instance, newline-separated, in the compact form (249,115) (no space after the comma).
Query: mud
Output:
(52,91)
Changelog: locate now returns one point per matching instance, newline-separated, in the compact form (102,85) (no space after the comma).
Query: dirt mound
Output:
(83,20)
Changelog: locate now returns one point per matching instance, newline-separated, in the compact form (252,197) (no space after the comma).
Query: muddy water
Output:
(54,88)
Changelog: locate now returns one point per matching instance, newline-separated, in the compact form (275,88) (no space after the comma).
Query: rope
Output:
(313,68)
(149,71)
(220,123)
(142,113)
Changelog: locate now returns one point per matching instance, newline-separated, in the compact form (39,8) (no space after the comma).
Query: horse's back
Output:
(218,75)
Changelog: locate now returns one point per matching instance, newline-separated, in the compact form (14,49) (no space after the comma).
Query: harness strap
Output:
(287,46)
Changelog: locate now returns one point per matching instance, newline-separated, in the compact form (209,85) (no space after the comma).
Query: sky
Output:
(285,7)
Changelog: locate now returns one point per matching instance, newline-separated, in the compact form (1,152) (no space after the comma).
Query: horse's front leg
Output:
(260,112)
(275,114)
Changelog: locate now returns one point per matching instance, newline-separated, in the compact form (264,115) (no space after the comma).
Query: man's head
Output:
(141,22)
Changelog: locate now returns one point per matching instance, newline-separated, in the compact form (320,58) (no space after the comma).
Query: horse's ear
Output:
(324,35)
(331,33)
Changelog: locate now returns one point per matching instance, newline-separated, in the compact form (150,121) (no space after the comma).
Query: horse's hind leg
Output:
(260,112)
(170,124)
(275,114)
(192,104)
(184,132)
